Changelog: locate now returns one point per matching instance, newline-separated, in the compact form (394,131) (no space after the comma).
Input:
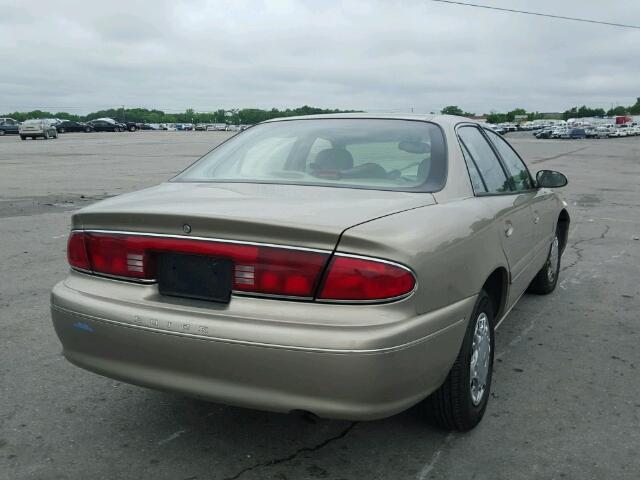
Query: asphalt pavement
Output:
(566,392)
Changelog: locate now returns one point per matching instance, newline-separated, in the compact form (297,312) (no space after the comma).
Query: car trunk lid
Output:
(296,215)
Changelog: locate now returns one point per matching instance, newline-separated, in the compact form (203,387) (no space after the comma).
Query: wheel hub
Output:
(480,357)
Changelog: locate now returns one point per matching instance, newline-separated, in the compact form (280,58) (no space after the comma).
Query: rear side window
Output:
(474,175)
(485,159)
(519,175)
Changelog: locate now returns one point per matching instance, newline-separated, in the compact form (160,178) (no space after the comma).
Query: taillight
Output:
(76,251)
(257,269)
(363,279)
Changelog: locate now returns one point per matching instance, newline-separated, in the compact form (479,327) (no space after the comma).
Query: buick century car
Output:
(350,266)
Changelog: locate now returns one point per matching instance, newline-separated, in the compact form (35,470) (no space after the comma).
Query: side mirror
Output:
(550,179)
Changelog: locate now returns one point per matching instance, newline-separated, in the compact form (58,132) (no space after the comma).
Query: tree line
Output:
(575,112)
(245,116)
(250,116)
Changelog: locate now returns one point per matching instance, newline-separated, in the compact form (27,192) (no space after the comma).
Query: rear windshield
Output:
(358,153)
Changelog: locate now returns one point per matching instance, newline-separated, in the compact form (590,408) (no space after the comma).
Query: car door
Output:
(541,201)
(493,186)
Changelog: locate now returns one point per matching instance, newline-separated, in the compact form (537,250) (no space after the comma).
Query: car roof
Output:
(450,120)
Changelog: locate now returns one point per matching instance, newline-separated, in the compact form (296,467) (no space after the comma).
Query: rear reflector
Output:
(257,269)
(363,279)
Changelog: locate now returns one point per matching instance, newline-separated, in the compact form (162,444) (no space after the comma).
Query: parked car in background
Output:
(496,128)
(591,132)
(544,133)
(71,126)
(603,131)
(37,128)
(342,265)
(617,132)
(200,127)
(106,125)
(574,133)
(9,126)
(130,126)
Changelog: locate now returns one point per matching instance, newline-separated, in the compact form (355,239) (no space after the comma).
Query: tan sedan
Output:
(350,266)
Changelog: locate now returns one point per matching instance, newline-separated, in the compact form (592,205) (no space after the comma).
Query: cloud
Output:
(374,55)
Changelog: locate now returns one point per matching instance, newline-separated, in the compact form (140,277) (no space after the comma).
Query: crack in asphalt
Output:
(579,250)
(553,157)
(288,458)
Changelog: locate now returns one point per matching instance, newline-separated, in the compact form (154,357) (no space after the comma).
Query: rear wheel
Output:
(87,129)
(22,137)
(460,402)
(2,132)
(547,278)
(61,130)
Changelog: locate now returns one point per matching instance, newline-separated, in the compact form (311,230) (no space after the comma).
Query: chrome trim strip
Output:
(116,277)
(241,293)
(260,344)
(206,239)
(375,259)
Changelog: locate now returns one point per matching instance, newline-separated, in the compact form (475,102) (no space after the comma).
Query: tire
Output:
(22,137)
(61,130)
(547,278)
(55,134)
(2,132)
(46,135)
(460,404)
(87,130)
(132,128)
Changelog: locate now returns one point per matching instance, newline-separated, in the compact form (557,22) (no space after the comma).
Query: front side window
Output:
(485,159)
(519,175)
(358,153)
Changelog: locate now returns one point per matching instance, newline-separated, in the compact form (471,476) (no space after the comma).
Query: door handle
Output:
(508,230)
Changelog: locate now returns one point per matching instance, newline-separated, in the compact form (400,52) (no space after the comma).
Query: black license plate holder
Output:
(195,276)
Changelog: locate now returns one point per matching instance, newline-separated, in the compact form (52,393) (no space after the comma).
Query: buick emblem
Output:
(186,228)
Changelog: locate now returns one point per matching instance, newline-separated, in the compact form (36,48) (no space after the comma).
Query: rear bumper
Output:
(355,382)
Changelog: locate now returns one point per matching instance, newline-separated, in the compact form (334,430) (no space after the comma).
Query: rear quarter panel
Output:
(452,248)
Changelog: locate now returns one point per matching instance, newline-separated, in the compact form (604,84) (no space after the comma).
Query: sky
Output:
(396,56)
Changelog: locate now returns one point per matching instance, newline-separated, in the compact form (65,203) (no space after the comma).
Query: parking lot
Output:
(564,403)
